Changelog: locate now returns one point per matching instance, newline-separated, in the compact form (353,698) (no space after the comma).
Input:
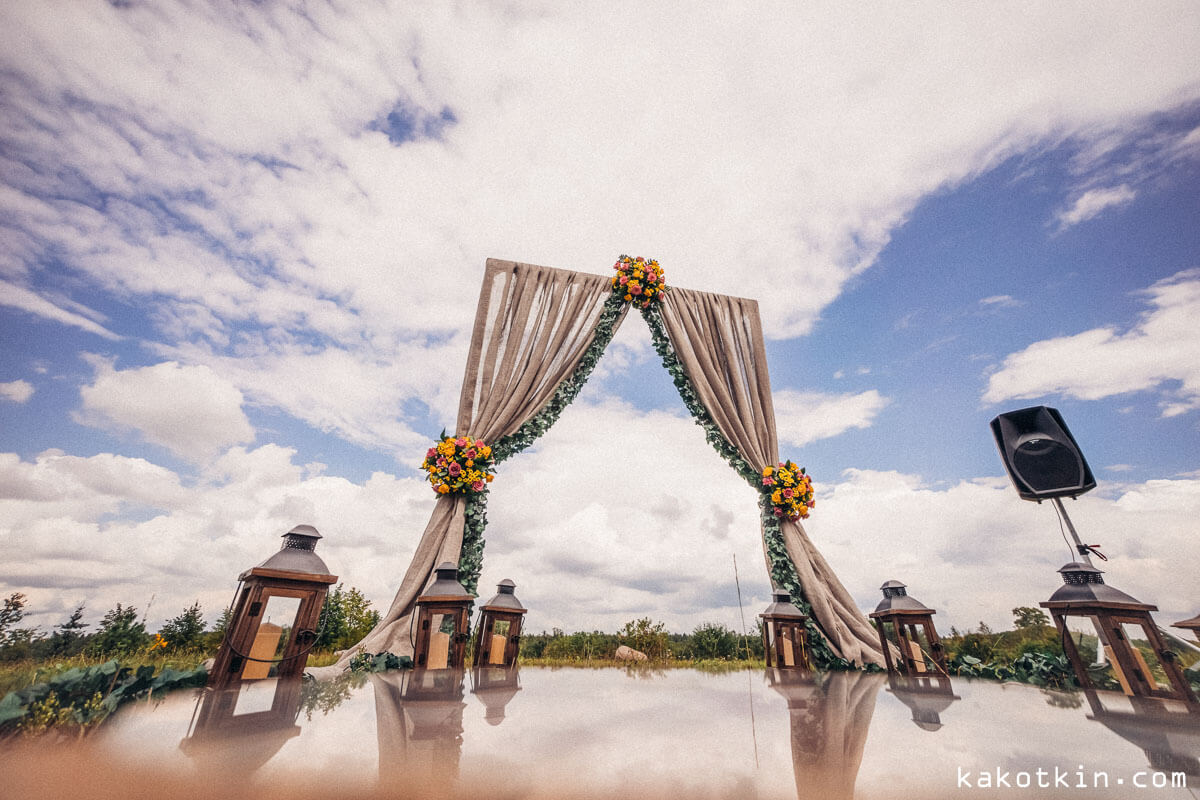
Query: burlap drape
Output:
(532,327)
(718,339)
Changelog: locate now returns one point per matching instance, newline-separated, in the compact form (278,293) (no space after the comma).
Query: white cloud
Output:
(1163,346)
(1092,202)
(1000,301)
(15,296)
(16,391)
(226,171)
(68,538)
(804,417)
(189,410)
(974,551)
(650,528)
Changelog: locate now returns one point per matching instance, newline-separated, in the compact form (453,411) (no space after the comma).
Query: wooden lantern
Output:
(1192,625)
(499,628)
(907,616)
(1085,594)
(442,628)
(785,635)
(276,614)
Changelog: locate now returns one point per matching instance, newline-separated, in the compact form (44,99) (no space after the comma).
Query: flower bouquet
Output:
(458,464)
(790,490)
(638,281)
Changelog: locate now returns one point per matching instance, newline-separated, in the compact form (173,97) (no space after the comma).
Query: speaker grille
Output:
(1044,464)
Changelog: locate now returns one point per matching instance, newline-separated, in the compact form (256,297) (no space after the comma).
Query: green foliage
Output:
(186,631)
(1026,617)
(713,641)
(120,634)
(83,697)
(16,643)
(68,638)
(646,636)
(581,646)
(346,617)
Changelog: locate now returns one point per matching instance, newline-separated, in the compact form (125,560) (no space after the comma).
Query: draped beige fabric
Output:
(718,339)
(829,734)
(532,327)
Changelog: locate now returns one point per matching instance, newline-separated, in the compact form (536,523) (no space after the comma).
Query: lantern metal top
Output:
(505,599)
(781,606)
(1084,584)
(445,585)
(896,599)
(298,553)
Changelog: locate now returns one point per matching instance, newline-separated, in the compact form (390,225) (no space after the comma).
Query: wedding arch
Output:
(539,332)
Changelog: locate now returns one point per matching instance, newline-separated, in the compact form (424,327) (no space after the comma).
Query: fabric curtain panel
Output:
(532,327)
(719,341)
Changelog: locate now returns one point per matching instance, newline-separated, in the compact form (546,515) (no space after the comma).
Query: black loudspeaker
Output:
(1041,455)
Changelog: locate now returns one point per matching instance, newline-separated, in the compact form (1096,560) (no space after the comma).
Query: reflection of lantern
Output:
(441,618)
(1170,739)
(906,614)
(236,730)
(275,617)
(927,695)
(1122,623)
(495,687)
(419,720)
(785,638)
(499,628)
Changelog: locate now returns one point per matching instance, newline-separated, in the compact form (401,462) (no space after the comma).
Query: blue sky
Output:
(241,253)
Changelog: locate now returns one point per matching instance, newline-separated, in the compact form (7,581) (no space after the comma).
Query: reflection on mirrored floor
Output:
(492,732)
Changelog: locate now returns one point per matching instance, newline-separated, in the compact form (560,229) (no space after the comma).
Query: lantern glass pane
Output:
(788,634)
(271,638)
(441,631)
(499,641)
(1145,657)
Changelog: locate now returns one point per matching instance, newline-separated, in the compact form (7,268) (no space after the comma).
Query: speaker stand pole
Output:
(1083,551)
(1079,546)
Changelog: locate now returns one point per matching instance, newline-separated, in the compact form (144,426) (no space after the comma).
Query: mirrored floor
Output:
(576,732)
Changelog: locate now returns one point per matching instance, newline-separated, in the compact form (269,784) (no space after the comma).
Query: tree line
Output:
(345,618)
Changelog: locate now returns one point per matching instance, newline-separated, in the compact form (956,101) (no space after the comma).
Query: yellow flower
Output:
(776,497)
(485,451)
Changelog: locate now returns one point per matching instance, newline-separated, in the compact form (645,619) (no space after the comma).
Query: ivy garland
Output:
(783,572)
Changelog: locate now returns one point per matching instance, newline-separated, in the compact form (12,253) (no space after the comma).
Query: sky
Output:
(241,246)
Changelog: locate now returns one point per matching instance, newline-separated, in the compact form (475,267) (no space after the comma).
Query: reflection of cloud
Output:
(1102,362)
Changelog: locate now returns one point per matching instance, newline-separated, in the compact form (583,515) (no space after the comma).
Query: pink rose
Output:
(455,469)
(470,454)
(788,493)
(432,453)
(636,290)
(441,462)
(477,486)
(768,481)
(778,512)
(624,279)
(461,442)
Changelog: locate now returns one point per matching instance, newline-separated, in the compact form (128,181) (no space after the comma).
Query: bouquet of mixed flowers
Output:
(459,464)
(791,490)
(638,281)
